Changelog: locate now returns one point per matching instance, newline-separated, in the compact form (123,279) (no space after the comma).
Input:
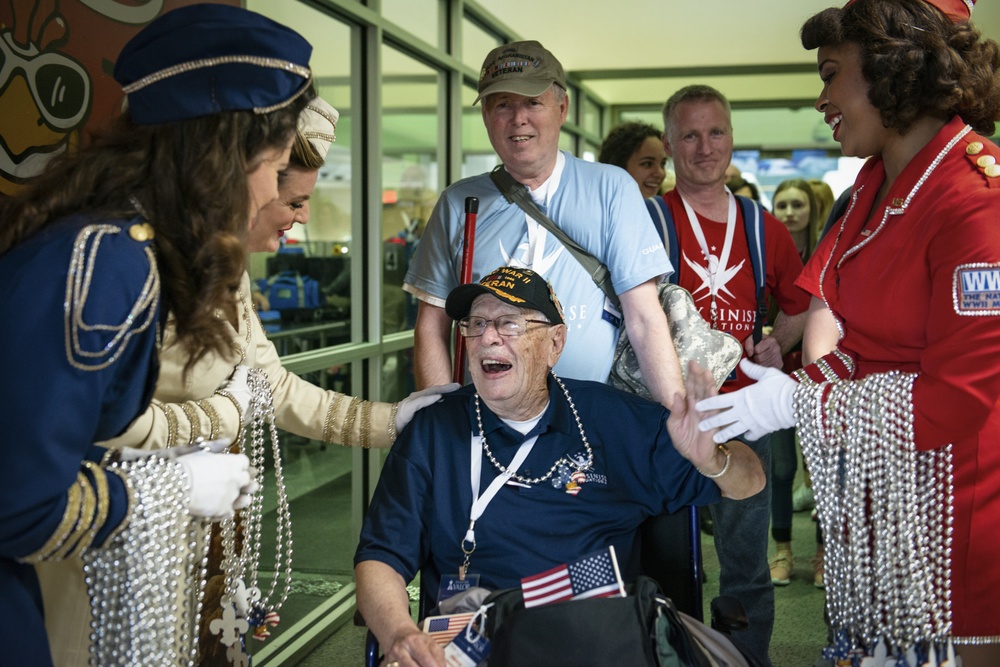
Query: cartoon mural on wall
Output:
(56,58)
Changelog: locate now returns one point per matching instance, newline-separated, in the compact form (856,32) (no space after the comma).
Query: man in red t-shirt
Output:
(715,266)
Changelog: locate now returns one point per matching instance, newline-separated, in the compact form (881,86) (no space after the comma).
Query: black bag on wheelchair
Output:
(642,629)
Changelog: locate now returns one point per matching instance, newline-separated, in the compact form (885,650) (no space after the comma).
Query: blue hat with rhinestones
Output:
(205,59)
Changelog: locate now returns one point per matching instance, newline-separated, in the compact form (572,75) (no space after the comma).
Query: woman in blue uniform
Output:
(149,218)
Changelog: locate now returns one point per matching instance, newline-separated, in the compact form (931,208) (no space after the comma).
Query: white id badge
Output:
(462,652)
(611,314)
(452,585)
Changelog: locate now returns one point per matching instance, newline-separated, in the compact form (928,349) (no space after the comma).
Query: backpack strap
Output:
(753,223)
(660,213)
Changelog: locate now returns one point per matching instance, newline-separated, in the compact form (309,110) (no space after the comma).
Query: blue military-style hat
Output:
(204,59)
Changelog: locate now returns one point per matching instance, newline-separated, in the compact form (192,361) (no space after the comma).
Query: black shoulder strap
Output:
(753,223)
(516,193)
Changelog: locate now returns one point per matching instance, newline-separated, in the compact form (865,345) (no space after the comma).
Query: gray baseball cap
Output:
(523,68)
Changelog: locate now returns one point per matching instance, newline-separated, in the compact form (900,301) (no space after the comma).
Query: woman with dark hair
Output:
(900,423)
(638,149)
(148,219)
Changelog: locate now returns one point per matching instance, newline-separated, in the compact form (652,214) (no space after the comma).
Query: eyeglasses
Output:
(506,325)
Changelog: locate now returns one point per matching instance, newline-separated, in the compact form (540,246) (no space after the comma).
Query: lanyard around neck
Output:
(727,247)
(479,502)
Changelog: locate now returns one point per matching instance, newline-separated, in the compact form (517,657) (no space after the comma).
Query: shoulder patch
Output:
(976,289)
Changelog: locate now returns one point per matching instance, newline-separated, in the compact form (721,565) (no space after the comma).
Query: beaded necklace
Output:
(886,520)
(241,567)
(535,480)
(136,619)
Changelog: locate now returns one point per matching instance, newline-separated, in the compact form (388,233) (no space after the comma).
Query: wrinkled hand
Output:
(755,411)
(689,440)
(421,399)
(415,647)
(765,353)
(237,387)
(219,483)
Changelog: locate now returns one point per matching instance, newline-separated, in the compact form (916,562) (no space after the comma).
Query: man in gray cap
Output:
(522,88)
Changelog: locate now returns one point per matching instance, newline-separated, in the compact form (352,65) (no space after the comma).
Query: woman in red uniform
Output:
(900,421)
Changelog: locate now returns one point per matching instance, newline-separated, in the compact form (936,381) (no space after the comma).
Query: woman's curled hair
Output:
(916,60)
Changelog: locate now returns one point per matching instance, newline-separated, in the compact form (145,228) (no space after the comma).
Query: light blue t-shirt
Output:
(599,206)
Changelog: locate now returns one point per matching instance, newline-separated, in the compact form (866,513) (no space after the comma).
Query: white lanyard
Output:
(480,502)
(727,247)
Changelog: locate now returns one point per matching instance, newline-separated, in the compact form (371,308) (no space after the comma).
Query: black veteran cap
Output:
(522,68)
(204,59)
(519,287)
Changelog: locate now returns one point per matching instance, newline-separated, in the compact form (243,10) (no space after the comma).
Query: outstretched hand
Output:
(754,411)
(691,442)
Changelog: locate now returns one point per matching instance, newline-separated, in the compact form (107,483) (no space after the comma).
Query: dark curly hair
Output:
(624,140)
(917,61)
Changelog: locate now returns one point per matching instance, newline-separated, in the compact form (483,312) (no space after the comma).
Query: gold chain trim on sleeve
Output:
(171,417)
(392,422)
(192,416)
(349,420)
(70,517)
(330,416)
(366,425)
(213,417)
(239,411)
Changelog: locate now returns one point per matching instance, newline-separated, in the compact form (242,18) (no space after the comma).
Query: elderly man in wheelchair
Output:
(522,470)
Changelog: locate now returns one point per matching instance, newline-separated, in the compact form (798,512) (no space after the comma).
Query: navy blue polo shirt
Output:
(420,510)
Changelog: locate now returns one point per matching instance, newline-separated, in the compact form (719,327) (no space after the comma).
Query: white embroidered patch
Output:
(976,289)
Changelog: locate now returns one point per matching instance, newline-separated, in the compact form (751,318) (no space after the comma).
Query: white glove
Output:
(236,386)
(757,410)
(421,399)
(220,483)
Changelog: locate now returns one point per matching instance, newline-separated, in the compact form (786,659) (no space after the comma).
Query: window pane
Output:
(410,186)
(419,17)
(478,155)
(476,43)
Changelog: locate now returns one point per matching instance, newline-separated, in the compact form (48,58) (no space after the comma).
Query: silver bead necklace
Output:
(535,480)
(241,567)
(886,510)
(132,580)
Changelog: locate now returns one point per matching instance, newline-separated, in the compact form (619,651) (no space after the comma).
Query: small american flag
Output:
(593,576)
(444,628)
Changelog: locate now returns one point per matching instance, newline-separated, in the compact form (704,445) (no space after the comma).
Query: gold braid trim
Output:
(330,416)
(366,425)
(171,417)
(84,523)
(392,422)
(70,516)
(349,420)
(239,411)
(192,416)
(213,418)
(103,502)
